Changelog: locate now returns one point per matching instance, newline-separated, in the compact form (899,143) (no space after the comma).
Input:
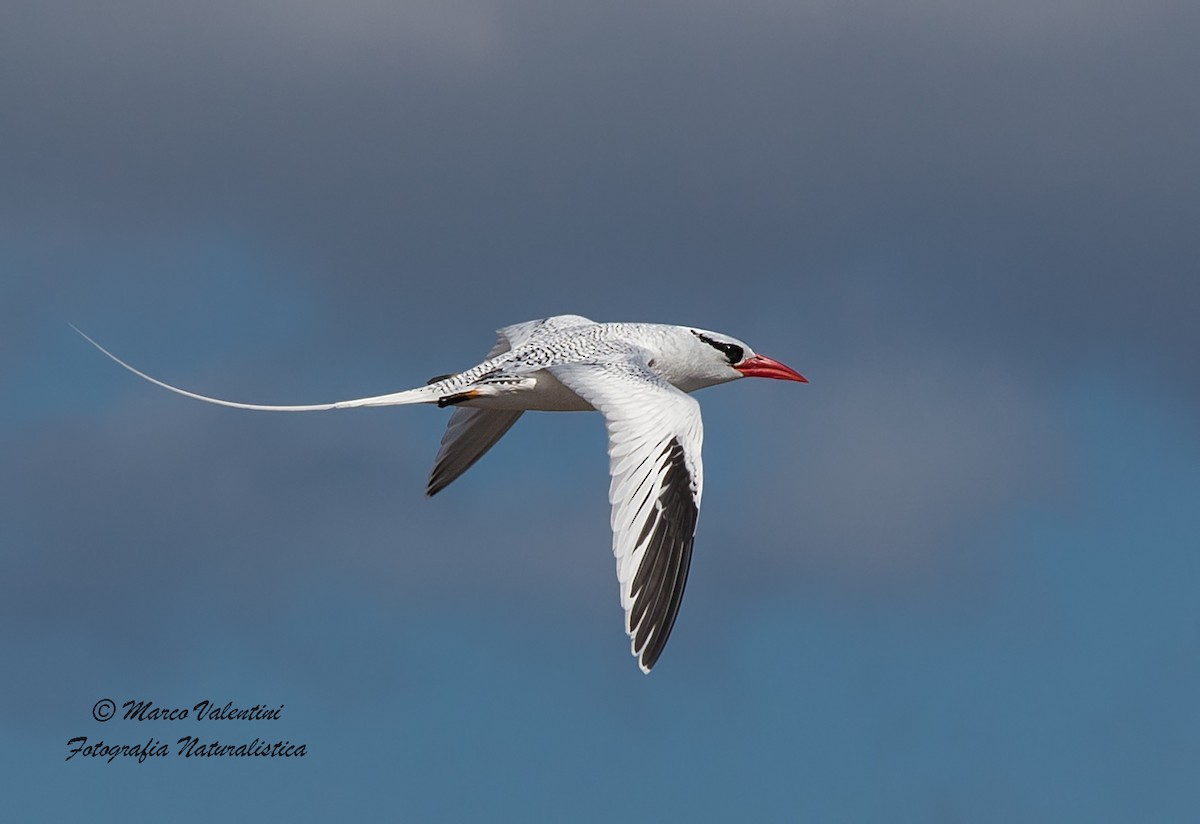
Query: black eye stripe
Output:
(733,353)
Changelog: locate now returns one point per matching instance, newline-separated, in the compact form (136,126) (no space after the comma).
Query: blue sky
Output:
(952,579)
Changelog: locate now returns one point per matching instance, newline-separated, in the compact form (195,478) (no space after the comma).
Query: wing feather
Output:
(654,435)
(471,432)
(469,435)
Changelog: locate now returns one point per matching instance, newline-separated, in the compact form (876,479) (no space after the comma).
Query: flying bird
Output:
(638,376)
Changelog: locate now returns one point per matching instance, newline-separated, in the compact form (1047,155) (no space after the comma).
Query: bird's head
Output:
(717,358)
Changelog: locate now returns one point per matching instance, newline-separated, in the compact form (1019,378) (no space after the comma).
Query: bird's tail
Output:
(423,394)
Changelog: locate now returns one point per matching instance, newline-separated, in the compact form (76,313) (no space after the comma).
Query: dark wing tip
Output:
(439,479)
(665,616)
(470,434)
(658,584)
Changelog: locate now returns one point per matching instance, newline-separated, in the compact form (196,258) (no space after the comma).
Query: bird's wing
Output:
(472,432)
(521,333)
(654,440)
(469,435)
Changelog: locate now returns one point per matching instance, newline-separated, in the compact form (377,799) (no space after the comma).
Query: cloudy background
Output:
(952,579)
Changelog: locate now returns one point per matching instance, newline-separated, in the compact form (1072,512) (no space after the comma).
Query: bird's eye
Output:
(733,353)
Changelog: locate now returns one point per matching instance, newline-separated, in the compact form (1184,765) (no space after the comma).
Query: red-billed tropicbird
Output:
(635,374)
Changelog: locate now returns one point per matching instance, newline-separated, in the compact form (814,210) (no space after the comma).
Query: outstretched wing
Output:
(470,432)
(654,439)
(519,334)
(469,435)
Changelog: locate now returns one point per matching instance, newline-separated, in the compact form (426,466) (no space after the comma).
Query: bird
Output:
(639,376)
